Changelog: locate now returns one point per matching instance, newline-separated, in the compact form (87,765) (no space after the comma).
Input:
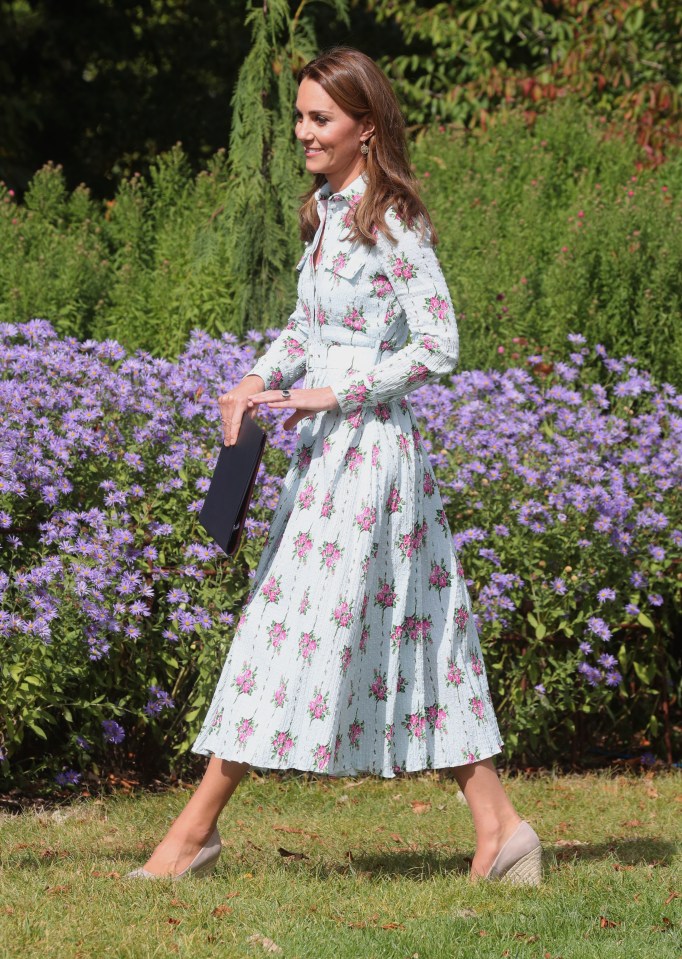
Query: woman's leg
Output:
(495,819)
(190,831)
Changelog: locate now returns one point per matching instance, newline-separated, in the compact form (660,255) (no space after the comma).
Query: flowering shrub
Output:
(561,480)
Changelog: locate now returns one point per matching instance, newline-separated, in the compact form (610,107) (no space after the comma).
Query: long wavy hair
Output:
(361,89)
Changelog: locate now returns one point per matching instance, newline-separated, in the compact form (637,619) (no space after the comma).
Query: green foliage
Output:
(265,161)
(544,230)
(106,90)
(464,60)
(557,229)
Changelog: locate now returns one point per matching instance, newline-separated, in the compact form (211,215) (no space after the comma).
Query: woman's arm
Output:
(414,272)
(284,360)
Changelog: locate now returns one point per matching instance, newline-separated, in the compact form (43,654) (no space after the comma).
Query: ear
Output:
(367,128)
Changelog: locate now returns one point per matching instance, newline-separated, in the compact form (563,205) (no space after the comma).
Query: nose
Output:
(303,131)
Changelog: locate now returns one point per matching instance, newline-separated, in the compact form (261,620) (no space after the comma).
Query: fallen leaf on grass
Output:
(632,823)
(51,889)
(179,903)
(464,913)
(570,842)
(267,944)
(222,911)
(420,807)
(393,925)
(673,895)
(525,937)
(291,855)
(619,867)
(173,921)
(653,793)
(299,832)
(605,923)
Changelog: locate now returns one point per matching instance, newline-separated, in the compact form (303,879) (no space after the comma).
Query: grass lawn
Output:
(352,869)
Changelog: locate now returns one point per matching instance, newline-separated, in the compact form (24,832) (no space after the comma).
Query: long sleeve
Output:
(414,273)
(285,359)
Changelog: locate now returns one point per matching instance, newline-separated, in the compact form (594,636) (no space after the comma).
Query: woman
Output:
(356,649)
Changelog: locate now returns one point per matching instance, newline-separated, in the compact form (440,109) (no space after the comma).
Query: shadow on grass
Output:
(645,851)
(623,853)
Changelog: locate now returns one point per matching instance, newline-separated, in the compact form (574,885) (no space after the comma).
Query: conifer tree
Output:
(266,165)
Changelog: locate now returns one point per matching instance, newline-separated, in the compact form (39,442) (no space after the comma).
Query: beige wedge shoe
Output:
(203,863)
(519,861)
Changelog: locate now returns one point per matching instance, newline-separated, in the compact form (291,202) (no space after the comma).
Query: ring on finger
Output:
(286,394)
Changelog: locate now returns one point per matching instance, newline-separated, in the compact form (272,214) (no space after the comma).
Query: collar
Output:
(356,188)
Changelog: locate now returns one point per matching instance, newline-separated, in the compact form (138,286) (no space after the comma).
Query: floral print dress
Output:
(356,650)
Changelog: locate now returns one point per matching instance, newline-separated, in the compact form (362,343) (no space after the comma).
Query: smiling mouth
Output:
(312,152)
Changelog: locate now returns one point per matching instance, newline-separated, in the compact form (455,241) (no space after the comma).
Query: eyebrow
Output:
(313,112)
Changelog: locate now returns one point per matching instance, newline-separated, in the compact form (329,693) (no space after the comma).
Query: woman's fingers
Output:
(231,412)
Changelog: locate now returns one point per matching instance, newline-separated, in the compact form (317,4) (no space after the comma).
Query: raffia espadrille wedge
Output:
(519,861)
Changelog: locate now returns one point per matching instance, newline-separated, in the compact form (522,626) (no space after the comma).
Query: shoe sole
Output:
(527,871)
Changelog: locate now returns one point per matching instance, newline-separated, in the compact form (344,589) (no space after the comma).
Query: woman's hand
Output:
(233,405)
(305,402)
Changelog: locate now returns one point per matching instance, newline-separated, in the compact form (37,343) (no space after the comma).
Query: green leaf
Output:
(644,620)
(540,631)
(37,730)
(645,673)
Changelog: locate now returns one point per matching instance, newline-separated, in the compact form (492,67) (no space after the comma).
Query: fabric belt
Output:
(338,349)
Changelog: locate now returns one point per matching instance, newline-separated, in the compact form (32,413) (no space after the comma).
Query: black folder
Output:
(227,501)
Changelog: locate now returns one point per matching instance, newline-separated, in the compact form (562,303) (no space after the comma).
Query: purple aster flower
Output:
(632,609)
(113,733)
(606,594)
(657,552)
(585,647)
(607,661)
(655,599)
(83,743)
(599,628)
(648,759)
(540,689)
(67,777)
(559,586)
(613,678)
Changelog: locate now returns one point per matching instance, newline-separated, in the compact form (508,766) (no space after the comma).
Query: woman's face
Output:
(330,137)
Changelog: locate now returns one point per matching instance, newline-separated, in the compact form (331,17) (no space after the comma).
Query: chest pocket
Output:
(347,263)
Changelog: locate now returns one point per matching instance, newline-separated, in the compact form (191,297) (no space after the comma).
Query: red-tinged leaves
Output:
(51,890)
(420,807)
(605,923)
(173,922)
(392,925)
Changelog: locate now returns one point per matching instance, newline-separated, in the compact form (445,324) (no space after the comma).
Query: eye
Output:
(321,120)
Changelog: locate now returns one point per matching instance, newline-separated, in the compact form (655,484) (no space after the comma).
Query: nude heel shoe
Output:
(202,865)
(519,861)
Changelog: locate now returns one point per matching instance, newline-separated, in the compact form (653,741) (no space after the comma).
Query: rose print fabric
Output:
(356,650)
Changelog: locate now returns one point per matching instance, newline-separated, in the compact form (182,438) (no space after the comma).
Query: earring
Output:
(364,148)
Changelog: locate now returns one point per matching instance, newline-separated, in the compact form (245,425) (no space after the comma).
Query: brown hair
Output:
(361,89)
